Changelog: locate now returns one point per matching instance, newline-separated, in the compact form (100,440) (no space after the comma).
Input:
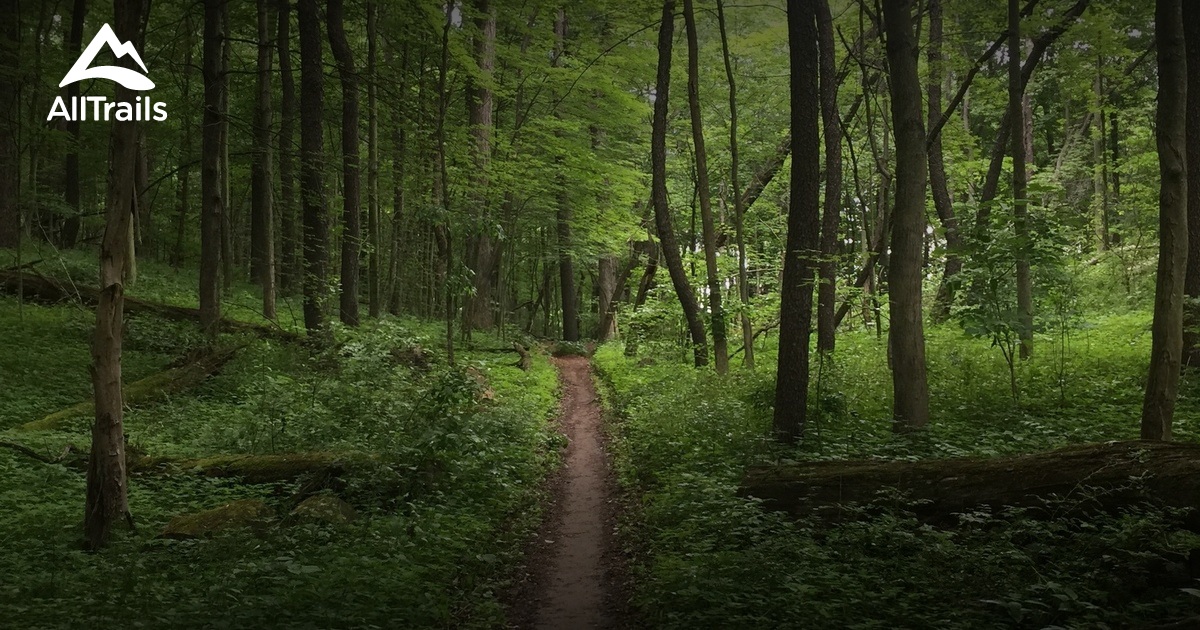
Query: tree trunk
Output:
(10,159)
(70,230)
(1016,112)
(804,212)
(484,251)
(399,147)
(290,272)
(374,298)
(1171,138)
(607,288)
(563,212)
(937,490)
(739,209)
(906,336)
(212,197)
(183,193)
(938,185)
(707,226)
(351,207)
(830,217)
(441,194)
(227,242)
(658,189)
(312,165)
(1191,323)
(107,498)
(262,222)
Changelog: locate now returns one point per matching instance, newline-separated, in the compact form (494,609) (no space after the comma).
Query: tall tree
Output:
(658,188)
(351,203)
(939,186)
(312,165)
(831,124)
(704,192)
(1170,133)
(739,208)
(70,229)
(1016,113)
(1191,322)
(212,203)
(906,335)
(484,254)
(107,497)
(804,212)
(374,299)
(566,261)
(290,272)
(10,213)
(262,216)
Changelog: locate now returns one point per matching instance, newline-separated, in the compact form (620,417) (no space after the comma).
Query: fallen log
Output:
(1103,477)
(38,288)
(257,469)
(172,381)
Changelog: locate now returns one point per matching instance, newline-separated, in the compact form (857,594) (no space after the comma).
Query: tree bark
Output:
(290,272)
(262,221)
(566,263)
(10,73)
(1171,137)
(183,192)
(707,225)
(212,196)
(312,166)
(375,245)
(107,498)
(1191,322)
(830,218)
(658,189)
(351,203)
(1016,113)
(484,251)
(606,288)
(938,185)
(906,336)
(399,154)
(739,208)
(228,261)
(804,211)
(939,489)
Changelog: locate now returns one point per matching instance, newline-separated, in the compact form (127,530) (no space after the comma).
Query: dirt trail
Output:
(574,564)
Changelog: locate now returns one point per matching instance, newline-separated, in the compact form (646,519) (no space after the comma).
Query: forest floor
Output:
(574,566)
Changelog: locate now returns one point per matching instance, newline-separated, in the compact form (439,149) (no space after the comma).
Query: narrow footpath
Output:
(574,565)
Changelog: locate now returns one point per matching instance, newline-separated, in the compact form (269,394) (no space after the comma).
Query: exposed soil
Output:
(575,571)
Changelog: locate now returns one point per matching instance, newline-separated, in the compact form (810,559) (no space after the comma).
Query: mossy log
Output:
(172,381)
(1101,477)
(39,288)
(258,469)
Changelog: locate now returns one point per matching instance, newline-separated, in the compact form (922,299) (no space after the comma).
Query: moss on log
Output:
(1102,476)
(258,469)
(38,288)
(172,381)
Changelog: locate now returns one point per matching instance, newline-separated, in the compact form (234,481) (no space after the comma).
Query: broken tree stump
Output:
(1104,477)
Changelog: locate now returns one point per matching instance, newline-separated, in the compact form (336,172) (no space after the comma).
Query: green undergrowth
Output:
(453,494)
(706,558)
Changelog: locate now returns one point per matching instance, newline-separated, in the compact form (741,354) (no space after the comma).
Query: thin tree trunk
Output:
(707,225)
(351,206)
(399,146)
(227,242)
(566,262)
(70,230)
(262,224)
(906,337)
(1100,166)
(938,185)
(1191,324)
(374,298)
(290,272)
(658,189)
(183,194)
(212,197)
(830,217)
(441,229)
(1016,112)
(312,166)
(607,288)
(107,498)
(10,158)
(739,208)
(484,251)
(1171,138)
(803,236)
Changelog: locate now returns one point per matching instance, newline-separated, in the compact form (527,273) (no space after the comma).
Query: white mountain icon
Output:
(131,79)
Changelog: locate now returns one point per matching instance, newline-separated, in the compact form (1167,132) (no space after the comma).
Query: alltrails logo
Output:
(76,109)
